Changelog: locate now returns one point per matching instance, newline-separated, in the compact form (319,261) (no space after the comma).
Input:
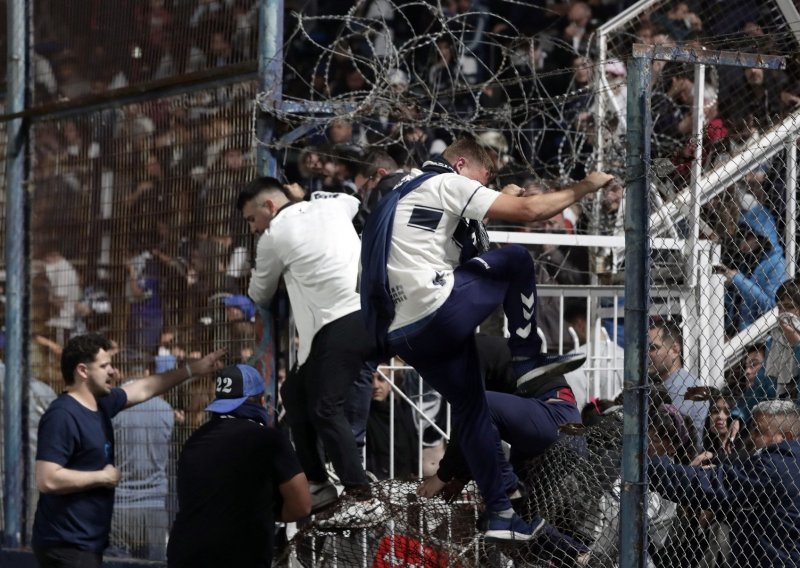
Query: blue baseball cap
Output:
(245,304)
(233,385)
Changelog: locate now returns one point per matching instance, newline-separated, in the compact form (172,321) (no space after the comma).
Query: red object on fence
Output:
(399,550)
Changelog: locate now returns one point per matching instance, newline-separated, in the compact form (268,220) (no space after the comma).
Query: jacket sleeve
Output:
(267,272)
(724,488)
(762,295)
(763,389)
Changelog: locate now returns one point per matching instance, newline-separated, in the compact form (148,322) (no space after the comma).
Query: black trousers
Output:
(67,557)
(314,397)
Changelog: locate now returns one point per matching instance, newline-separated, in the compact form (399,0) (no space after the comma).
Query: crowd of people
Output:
(162,267)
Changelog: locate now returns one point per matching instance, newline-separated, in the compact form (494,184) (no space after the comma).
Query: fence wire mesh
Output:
(725,365)
(133,233)
(84,49)
(575,484)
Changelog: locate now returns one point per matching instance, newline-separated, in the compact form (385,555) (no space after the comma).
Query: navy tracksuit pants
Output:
(442,349)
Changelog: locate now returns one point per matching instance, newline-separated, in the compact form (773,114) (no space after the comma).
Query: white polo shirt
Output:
(424,253)
(314,246)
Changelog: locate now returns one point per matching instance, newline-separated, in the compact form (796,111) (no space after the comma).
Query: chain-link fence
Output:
(133,232)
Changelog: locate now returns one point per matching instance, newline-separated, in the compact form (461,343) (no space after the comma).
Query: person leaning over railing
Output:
(760,498)
(777,377)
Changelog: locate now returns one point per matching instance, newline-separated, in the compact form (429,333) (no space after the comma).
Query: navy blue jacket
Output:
(377,307)
(759,498)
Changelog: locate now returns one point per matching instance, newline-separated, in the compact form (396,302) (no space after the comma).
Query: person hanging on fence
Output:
(314,246)
(75,471)
(426,284)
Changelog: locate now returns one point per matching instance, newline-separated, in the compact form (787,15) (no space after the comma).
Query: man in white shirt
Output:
(314,246)
(441,295)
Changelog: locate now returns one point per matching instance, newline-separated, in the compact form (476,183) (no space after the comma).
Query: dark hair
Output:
(668,329)
(574,309)
(663,425)
(789,289)
(81,349)
(255,187)
(756,348)
(375,160)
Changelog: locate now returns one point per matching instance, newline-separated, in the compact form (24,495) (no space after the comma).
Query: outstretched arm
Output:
(538,207)
(144,389)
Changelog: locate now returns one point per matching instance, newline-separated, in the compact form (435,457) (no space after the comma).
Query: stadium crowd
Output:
(134,232)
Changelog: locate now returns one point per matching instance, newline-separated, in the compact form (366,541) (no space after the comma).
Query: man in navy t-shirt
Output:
(75,470)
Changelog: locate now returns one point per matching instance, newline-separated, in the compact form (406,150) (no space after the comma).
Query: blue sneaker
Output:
(541,366)
(501,529)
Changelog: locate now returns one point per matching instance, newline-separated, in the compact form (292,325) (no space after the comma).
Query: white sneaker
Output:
(322,495)
(355,515)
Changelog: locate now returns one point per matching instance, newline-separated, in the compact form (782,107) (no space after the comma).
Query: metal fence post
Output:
(17,137)
(270,77)
(633,510)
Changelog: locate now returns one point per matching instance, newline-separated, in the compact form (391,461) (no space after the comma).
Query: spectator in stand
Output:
(140,522)
(379,440)
(720,439)
(145,317)
(607,358)
(715,130)
(666,367)
(753,361)
(760,497)
(468,20)
(671,104)
(71,84)
(574,36)
(678,20)
(778,375)
(760,269)
(311,167)
(65,293)
(757,91)
(340,167)
(663,438)
(240,314)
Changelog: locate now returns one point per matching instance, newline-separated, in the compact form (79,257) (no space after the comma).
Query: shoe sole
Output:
(557,368)
(323,505)
(322,525)
(330,524)
(511,536)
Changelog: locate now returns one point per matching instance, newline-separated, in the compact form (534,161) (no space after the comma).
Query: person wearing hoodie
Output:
(760,269)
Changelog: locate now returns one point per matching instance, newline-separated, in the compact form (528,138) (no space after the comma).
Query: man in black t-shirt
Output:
(75,471)
(236,474)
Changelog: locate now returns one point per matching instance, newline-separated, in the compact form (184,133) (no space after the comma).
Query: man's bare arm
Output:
(296,498)
(58,480)
(144,389)
(507,207)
